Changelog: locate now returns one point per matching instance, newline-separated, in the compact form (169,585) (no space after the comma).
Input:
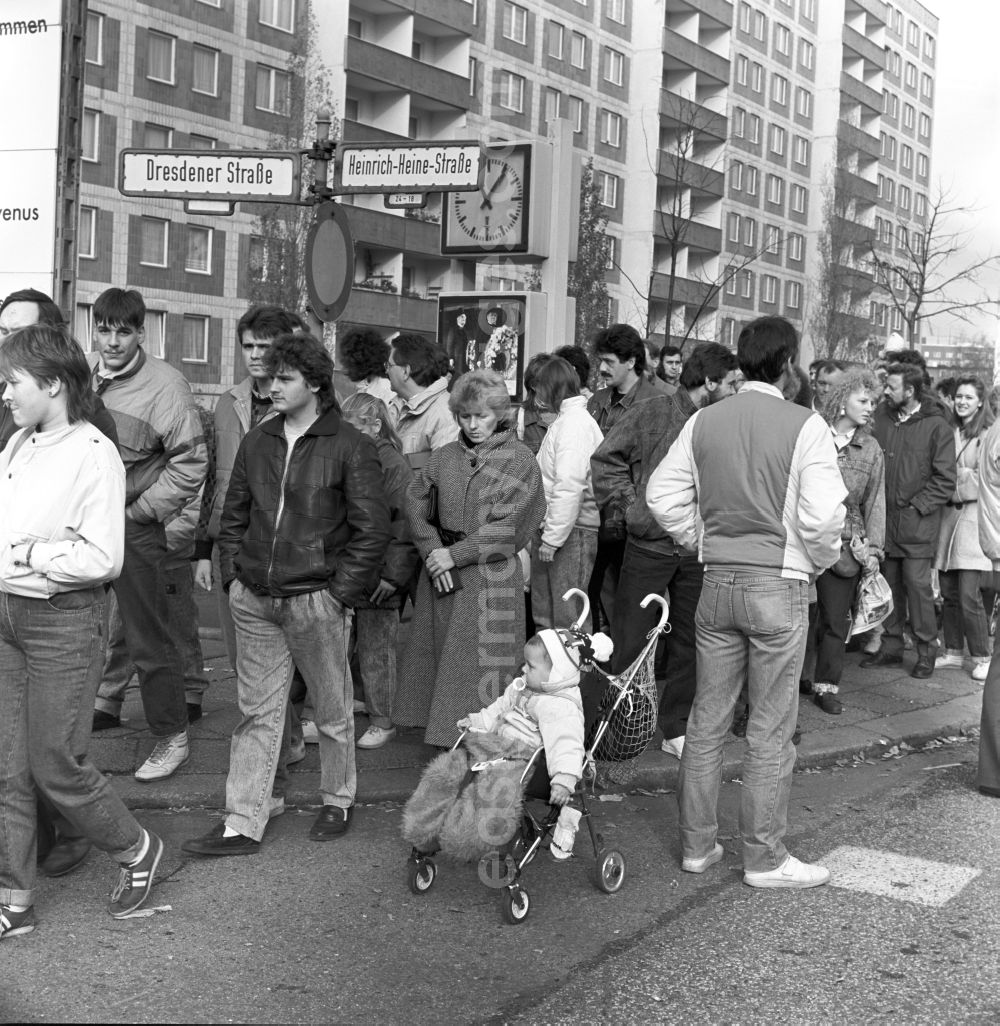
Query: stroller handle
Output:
(664,609)
(584,606)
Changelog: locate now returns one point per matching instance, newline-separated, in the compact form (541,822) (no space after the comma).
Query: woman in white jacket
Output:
(565,547)
(62,538)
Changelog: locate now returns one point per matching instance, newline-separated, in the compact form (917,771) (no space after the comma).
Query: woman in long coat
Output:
(473,507)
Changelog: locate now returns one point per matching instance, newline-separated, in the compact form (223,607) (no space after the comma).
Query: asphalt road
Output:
(307,932)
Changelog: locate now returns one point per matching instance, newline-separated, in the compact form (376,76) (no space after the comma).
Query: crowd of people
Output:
(752,494)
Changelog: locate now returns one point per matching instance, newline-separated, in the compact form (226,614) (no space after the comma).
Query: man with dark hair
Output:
(163,448)
(621,355)
(754,484)
(417,371)
(828,374)
(669,369)
(653,561)
(303,533)
(25,307)
(920,475)
(363,356)
(247,404)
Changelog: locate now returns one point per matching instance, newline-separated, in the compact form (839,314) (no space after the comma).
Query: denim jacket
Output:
(862,466)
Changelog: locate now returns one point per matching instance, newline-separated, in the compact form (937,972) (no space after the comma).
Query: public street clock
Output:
(494,219)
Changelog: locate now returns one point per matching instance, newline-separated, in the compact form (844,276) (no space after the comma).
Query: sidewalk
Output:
(882,707)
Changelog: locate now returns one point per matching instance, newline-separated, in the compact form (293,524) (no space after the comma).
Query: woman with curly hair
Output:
(472,507)
(848,410)
(364,354)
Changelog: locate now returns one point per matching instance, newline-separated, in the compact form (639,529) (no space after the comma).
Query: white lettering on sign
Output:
(178,174)
(420,167)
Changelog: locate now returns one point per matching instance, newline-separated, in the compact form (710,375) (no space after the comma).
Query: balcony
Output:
(864,94)
(390,231)
(687,291)
(680,112)
(861,141)
(692,234)
(850,233)
(864,47)
(718,10)
(356,131)
(853,278)
(681,53)
(857,187)
(457,15)
(390,311)
(382,70)
(676,169)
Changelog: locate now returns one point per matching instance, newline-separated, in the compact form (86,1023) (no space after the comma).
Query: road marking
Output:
(903,877)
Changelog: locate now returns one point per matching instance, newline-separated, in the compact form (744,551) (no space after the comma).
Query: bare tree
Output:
(588,273)
(931,270)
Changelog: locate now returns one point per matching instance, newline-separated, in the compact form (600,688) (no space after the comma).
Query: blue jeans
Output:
(51,653)
(312,631)
(377,632)
(750,627)
(571,567)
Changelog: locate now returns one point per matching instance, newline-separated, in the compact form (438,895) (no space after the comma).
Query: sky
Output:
(966,146)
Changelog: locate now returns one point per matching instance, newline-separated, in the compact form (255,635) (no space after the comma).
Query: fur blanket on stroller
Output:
(463,813)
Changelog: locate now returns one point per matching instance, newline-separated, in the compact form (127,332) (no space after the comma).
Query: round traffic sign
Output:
(329,261)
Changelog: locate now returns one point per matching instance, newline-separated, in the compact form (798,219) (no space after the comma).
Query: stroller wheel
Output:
(609,871)
(420,875)
(516,905)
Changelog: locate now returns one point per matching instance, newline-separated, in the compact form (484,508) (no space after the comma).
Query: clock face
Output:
(495,217)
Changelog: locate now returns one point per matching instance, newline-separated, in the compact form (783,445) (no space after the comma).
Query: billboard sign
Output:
(30,66)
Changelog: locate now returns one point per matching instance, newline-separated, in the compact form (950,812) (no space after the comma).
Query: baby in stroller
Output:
(469,800)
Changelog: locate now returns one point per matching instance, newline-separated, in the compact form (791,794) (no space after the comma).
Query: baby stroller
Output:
(625,726)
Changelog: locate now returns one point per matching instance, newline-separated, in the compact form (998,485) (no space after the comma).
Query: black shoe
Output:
(924,668)
(213,843)
(881,658)
(829,703)
(194,712)
(65,856)
(805,687)
(797,736)
(331,822)
(105,720)
(991,792)
(135,881)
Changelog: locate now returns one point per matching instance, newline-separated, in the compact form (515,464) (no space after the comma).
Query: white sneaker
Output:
(166,758)
(791,873)
(360,709)
(309,732)
(980,670)
(375,737)
(674,747)
(276,807)
(700,865)
(951,660)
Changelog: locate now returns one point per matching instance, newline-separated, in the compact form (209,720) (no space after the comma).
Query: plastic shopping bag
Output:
(872,604)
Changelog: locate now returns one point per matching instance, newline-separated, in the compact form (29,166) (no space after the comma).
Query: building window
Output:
(904,197)
(902,236)
(90,140)
(576,113)
(775,189)
(614,66)
(608,185)
(757,78)
(553,104)
(891,154)
(157,137)
(745,13)
(782,40)
(736,176)
(925,126)
(772,239)
(749,232)
(911,75)
(160,52)
(742,67)
(803,103)
(578,50)
(95,38)
(926,87)
(195,339)
(557,35)
(796,244)
(754,128)
(800,151)
(751,181)
(153,233)
(759,26)
(610,252)
(515,22)
(511,92)
(929,47)
(777,140)
(913,34)
(793,295)
(739,123)
(199,250)
(808,10)
(86,233)
(273,90)
(779,90)
(156,334)
(473,79)
(807,54)
(614,10)
(799,199)
(769,289)
(279,14)
(909,115)
(201,142)
(611,128)
(205,77)
(746,284)
(920,205)
(922,165)
(906,158)
(731,285)
(734,227)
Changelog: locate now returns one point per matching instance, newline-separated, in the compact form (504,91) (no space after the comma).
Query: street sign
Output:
(408,167)
(210,174)
(329,262)
(220,208)
(405,200)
